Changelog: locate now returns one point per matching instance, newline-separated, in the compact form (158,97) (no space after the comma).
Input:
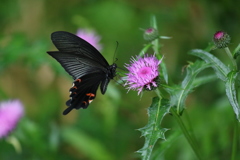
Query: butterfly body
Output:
(85,64)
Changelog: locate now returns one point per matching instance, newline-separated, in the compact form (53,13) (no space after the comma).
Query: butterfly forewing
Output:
(68,42)
(76,65)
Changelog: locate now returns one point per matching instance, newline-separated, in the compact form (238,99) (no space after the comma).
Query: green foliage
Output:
(225,74)
(180,93)
(152,131)
(221,69)
(231,92)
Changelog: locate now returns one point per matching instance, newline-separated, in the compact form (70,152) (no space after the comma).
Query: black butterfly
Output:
(85,64)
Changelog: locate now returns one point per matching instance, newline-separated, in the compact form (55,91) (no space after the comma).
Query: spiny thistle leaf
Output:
(232,93)
(152,131)
(221,69)
(223,73)
(180,93)
(204,79)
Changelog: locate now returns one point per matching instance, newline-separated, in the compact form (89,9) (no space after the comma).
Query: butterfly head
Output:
(112,70)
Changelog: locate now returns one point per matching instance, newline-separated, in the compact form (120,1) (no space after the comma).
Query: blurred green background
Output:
(107,129)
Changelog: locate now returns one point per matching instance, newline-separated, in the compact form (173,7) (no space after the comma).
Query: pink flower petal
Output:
(143,73)
(91,37)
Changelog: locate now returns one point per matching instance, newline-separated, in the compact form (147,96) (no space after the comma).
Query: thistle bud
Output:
(221,39)
(150,34)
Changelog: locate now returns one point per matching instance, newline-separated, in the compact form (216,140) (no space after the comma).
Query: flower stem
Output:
(155,42)
(235,140)
(158,93)
(190,127)
(231,57)
(186,134)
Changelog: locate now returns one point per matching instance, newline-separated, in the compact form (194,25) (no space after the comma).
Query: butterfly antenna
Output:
(115,52)
(120,81)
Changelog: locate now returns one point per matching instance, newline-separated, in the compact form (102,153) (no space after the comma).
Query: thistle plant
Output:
(10,113)
(148,72)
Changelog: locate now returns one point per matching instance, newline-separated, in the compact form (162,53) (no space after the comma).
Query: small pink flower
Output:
(221,39)
(91,37)
(143,73)
(218,35)
(10,114)
(150,34)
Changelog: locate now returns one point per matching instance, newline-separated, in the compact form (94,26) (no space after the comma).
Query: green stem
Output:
(158,93)
(235,140)
(186,134)
(231,57)
(156,41)
(236,131)
(190,127)
(236,123)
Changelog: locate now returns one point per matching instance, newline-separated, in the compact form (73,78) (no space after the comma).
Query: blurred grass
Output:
(108,125)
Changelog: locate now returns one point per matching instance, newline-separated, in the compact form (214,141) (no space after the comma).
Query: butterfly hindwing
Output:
(82,94)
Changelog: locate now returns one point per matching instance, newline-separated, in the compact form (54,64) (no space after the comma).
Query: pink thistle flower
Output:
(150,34)
(91,37)
(218,35)
(143,73)
(221,39)
(10,114)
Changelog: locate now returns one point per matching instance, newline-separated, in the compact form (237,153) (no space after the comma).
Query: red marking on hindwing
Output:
(90,95)
(78,80)
(85,103)
(74,87)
